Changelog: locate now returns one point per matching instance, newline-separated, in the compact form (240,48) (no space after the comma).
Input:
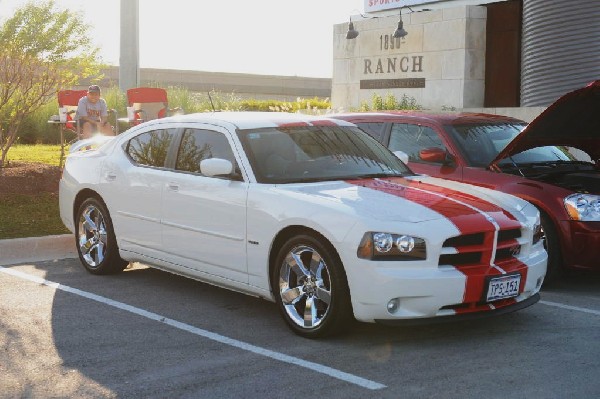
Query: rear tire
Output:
(95,239)
(310,287)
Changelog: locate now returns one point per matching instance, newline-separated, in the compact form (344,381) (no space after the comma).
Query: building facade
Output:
(467,53)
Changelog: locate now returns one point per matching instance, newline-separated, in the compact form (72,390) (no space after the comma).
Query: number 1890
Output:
(389,42)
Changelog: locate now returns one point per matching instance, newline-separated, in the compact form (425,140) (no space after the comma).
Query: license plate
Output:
(503,287)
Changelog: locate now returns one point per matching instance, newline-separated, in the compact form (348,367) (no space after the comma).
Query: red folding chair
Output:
(67,107)
(147,103)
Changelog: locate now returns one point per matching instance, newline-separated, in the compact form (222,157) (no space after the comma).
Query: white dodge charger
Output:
(306,211)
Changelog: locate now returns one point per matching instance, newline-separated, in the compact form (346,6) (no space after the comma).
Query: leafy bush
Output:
(389,103)
(35,128)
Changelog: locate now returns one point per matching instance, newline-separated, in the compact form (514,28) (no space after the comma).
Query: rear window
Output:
(374,129)
(150,148)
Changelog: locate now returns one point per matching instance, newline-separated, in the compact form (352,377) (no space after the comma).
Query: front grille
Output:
(512,234)
(478,306)
(467,239)
(472,249)
(508,245)
(471,258)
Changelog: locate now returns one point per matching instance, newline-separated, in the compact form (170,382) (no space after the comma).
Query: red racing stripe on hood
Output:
(475,285)
(467,212)
(501,216)
(470,215)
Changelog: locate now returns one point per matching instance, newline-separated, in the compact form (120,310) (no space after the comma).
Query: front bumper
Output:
(432,292)
(464,316)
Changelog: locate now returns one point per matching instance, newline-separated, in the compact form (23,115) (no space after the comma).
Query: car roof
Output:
(444,118)
(252,120)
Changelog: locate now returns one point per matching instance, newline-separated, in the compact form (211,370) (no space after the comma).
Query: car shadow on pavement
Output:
(134,356)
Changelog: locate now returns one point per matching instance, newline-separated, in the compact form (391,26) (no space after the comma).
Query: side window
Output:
(375,129)
(150,148)
(197,145)
(413,138)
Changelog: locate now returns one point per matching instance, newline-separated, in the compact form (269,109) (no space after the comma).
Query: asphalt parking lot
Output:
(150,334)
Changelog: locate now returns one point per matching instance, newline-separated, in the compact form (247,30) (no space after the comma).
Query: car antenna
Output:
(211,102)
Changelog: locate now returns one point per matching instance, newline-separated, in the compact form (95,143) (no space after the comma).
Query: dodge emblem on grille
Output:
(515,250)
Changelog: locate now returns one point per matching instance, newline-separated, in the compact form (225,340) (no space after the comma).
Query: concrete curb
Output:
(36,249)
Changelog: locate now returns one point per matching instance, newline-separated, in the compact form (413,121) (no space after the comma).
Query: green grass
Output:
(30,216)
(42,153)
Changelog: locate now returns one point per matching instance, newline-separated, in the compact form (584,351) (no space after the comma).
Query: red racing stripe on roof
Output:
(292,124)
(325,122)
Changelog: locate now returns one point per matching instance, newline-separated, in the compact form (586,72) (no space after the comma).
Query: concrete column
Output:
(129,60)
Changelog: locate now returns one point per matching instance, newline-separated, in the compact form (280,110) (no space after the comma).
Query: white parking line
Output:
(569,307)
(340,375)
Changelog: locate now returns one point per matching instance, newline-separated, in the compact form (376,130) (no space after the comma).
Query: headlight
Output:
(388,246)
(583,207)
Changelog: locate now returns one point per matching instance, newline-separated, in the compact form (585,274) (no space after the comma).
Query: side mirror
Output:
(401,155)
(434,155)
(215,167)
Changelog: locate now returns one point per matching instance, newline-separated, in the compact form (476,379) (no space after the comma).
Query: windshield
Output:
(481,143)
(317,153)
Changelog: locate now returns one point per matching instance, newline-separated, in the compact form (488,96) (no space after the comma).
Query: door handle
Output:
(173,186)
(111,176)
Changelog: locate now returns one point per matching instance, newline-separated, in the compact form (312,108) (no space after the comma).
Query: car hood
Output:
(413,199)
(573,121)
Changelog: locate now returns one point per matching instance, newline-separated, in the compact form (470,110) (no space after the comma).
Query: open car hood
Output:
(573,120)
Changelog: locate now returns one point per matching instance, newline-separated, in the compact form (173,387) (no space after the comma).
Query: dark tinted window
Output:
(197,145)
(150,148)
(317,153)
(375,129)
(411,139)
(481,143)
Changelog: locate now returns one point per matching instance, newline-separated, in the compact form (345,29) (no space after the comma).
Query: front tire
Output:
(95,239)
(555,270)
(310,287)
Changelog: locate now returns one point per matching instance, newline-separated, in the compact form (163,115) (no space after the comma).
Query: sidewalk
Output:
(36,249)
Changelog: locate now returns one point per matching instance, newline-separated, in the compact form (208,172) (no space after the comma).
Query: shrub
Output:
(389,103)
(36,130)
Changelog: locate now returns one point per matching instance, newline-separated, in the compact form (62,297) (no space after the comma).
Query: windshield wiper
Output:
(375,175)
(516,166)
(334,178)
(557,162)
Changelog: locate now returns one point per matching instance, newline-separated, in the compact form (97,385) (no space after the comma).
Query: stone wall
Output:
(440,63)
(261,87)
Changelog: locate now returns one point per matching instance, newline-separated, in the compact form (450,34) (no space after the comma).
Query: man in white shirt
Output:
(92,114)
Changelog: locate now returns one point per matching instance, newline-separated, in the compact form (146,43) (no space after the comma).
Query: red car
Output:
(554,163)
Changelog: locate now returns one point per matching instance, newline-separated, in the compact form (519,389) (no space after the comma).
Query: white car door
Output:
(133,190)
(204,218)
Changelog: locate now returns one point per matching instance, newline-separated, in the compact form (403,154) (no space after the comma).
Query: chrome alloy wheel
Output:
(92,236)
(305,287)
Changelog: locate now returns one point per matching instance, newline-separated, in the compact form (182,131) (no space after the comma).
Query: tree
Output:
(42,50)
